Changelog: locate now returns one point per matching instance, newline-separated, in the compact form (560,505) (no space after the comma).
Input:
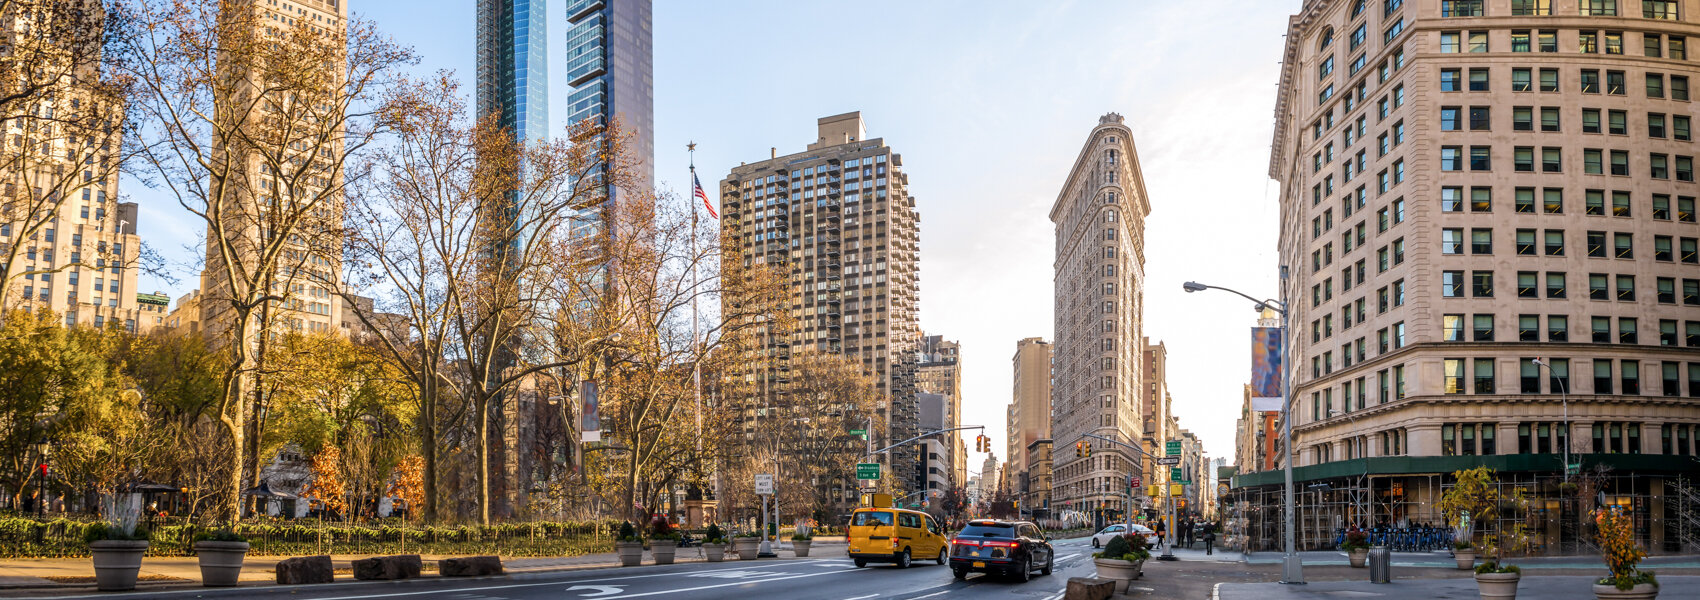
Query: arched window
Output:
(1111,157)
(1327,39)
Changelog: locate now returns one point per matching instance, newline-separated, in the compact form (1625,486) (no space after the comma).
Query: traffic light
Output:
(1088,450)
(1080,449)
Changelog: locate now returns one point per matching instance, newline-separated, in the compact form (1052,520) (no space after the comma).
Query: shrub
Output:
(1462,545)
(103,531)
(220,535)
(628,533)
(714,536)
(749,534)
(660,529)
(1617,545)
(1496,567)
(802,537)
(1117,548)
(1356,540)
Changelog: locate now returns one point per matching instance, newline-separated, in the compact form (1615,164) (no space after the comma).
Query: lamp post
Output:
(41,449)
(1563,398)
(1292,567)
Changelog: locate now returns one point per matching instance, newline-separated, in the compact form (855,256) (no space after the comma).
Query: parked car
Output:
(1103,537)
(1015,548)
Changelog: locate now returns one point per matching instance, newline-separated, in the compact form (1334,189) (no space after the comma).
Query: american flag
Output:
(696,184)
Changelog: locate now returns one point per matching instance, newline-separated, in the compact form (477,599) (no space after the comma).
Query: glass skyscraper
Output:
(513,65)
(610,68)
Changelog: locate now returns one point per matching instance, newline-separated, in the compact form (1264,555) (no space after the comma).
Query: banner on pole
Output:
(1266,369)
(590,415)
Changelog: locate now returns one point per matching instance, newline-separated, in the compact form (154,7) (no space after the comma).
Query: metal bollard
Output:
(1380,565)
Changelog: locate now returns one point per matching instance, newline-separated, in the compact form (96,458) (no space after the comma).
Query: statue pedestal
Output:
(699,513)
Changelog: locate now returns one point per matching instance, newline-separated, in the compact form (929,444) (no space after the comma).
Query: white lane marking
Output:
(710,587)
(930,595)
(1068,556)
(863,597)
(600,590)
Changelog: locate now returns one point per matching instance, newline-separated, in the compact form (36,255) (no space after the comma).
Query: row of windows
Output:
(1610,376)
(1480,284)
(1616,122)
(1476,79)
(1594,203)
(1480,328)
(1653,45)
(1621,245)
(1650,9)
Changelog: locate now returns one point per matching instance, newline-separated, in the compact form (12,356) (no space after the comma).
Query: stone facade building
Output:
(1099,282)
(1028,417)
(1489,237)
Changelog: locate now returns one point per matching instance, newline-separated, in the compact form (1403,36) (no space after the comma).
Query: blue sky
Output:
(989,102)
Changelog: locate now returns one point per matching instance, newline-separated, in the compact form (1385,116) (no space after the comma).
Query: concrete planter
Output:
(630,553)
(746,547)
(1497,586)
(116,563)
(714,552)
(221,562)
(663,550)
(1466,558)
(1641,591)
(1358,556)
(1122,572)
(801,547)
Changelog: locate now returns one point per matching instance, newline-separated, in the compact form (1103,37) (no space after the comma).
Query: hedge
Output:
(30,538)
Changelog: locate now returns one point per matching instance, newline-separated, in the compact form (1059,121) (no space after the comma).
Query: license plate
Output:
(979,565)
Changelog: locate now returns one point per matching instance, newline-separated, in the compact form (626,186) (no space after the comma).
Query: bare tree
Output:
(460,234)
(250,126)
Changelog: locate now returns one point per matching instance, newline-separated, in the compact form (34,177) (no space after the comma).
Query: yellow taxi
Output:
(880,533)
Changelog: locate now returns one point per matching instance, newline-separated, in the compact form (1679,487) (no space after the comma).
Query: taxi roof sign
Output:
(872,500)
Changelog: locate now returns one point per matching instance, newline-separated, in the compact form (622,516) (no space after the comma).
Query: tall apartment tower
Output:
(312,273)
(839,219)
(66,244)
(1100,286)
(610,67)
(513,65)
(1028,417)
(1487,216)
(938,370)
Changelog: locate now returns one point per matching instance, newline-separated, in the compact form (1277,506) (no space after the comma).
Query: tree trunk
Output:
(483,407)
(428,445)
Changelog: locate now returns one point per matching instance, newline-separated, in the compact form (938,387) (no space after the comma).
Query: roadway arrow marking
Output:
(600,590)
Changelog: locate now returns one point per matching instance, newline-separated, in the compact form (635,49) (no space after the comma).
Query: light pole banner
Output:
(1266,368)
(590,423)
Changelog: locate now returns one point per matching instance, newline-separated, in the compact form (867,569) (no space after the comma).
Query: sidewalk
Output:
(72,573)
(1444,560)
(1543,587)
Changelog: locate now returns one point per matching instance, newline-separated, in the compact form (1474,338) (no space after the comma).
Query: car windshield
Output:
(872,518)
(988,530)
(1112,529)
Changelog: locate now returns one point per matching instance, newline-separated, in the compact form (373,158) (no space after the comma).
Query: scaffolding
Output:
(1556,517)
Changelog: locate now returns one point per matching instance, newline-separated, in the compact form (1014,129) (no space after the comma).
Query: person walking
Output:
(1209,540)
(1162,533)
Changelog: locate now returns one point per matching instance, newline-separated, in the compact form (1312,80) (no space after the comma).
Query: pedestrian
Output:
(1209,541)
(1162,533)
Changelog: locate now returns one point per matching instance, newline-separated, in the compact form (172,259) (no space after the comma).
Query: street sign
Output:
(867,470)
(1172,447)
(1183,482)
(1175,473)
(764,483)
(858,432)
(1573,468)
(1169,461)
(1133,482)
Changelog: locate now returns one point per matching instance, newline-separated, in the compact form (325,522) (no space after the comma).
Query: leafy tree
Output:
(1473,493)
(55,381)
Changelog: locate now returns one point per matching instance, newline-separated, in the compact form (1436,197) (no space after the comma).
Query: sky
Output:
(989,102)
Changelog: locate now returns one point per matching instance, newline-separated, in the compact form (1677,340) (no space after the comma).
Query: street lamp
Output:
(1292,567)
(1563,398)
(41,449)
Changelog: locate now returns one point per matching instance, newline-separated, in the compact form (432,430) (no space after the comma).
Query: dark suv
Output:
(1006,547)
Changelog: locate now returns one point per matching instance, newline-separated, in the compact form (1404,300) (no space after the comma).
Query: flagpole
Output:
(696,374)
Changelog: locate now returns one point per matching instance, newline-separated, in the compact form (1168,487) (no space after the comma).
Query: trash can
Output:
(1380,565)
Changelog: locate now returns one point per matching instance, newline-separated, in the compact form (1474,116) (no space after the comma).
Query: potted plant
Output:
(714,544)
(117,552)
(1122,560)
(629,545)
(1472,497)
(1616,537)
(1496,580)
(662,540)
(220,554)
(800,542)
(1356,547)
(745,543)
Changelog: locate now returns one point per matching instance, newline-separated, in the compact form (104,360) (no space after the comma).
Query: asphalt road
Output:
(826,578)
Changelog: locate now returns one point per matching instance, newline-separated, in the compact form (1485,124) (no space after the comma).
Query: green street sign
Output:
(1172,448)
(1183,482)
(1175,474)
(1573,468)
(867,470)
(858,432)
